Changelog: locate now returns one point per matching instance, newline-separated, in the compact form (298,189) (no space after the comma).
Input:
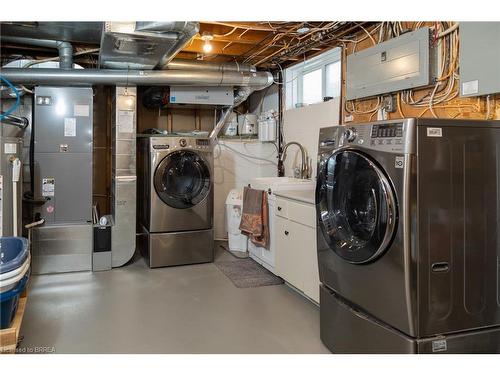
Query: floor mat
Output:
(246,273)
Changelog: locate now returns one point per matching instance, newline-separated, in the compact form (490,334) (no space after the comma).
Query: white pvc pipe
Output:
(16,173)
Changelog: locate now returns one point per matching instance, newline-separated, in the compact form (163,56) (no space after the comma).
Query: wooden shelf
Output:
(10,336)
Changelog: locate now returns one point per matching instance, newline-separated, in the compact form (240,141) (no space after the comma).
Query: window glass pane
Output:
(311,87)
(333,77)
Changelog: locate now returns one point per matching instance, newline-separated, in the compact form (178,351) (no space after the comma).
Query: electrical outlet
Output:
(348,118)
(382,114)
(389,103)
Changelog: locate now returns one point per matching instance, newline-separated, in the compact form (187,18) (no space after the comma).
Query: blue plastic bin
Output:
(9,302)
(13,253)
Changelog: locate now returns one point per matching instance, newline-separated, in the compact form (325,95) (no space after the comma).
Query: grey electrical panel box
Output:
(201,95)
(63,153)
(401,63)
(479,58)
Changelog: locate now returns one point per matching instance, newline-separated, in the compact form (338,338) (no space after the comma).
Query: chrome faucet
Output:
(304,170)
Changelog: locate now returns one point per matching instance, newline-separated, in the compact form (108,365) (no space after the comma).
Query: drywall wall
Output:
(234,166)
(302,125)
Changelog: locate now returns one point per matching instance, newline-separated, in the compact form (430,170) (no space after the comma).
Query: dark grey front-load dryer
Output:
(408,244)
(360,220)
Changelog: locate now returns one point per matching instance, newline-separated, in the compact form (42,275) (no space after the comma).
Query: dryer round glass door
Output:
(182,179)
(356,207)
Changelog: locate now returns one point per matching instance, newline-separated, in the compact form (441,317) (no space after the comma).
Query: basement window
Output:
(311,87)
(310,81)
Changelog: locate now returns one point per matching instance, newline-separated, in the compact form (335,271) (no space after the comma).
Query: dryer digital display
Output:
(387,131)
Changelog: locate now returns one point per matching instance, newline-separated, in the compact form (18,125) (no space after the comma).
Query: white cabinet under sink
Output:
(273,185)
(296,257)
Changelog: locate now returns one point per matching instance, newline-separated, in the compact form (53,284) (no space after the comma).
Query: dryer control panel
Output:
(393,136)
(387,135)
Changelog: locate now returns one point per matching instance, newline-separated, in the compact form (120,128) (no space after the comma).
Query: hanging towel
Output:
(255,217)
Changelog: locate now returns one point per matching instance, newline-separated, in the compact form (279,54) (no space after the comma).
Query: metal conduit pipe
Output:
(43,76)
(222,121)
(65,48)
(185,64)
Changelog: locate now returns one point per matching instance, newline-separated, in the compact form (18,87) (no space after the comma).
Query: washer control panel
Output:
(161,147)
(162,144)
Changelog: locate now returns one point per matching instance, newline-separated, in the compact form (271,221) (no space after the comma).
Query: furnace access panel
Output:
(63,153)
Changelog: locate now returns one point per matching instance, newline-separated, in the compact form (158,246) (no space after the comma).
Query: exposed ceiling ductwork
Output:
(185,64)
(65,49)
(139,53)
(44,76)
(143,45)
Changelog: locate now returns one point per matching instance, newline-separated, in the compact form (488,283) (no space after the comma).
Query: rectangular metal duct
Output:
(124,177)
(143,45)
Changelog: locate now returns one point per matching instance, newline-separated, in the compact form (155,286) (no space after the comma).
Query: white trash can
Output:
(234,204)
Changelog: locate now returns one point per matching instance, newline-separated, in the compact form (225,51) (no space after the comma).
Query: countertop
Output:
(305,196)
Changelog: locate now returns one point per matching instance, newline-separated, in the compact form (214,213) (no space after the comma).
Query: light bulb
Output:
(207,47)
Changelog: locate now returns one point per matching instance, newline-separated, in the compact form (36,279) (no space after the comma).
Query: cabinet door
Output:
(287,257)
(310,263)
(281,246)
(296,259)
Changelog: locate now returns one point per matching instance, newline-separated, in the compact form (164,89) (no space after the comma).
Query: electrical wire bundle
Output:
(445,88)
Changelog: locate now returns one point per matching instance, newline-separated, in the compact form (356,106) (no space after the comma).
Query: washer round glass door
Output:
(356,207)
(182,179)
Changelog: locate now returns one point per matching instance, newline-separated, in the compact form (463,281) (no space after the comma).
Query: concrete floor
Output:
(188,309)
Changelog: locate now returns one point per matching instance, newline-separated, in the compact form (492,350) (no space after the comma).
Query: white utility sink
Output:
(282,183)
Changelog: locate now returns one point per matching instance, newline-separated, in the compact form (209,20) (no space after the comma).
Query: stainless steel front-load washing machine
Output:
(175,205)
(408,239)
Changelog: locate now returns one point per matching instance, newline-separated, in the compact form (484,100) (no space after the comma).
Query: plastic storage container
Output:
(13,253)
(234,203)
(247,124)
(9,302)
(9,279)
(232,125)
